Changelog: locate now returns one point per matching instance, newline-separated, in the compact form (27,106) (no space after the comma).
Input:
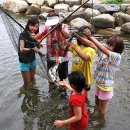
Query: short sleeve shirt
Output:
(84,66)
(106,68)
(26,57)
(78,100)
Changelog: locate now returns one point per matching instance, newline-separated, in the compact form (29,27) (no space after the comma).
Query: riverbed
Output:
(39,106)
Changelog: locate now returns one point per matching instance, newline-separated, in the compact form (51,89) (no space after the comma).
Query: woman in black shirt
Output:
(26,51)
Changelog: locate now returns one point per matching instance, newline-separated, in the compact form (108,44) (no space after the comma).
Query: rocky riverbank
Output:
(95,14)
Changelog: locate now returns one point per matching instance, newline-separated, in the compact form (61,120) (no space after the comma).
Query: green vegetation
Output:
(113,1)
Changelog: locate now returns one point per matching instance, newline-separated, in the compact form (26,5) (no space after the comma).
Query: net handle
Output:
(11,17)
(2,9)
(63,20)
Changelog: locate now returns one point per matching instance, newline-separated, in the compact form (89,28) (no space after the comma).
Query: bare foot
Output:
(94,115)
(98,123)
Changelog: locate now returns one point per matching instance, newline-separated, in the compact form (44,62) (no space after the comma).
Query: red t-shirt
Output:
(78,100)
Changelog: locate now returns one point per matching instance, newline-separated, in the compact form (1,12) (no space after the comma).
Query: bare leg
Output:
(95,114)
(96,100)
(102,110)
(26,78)
(32,75)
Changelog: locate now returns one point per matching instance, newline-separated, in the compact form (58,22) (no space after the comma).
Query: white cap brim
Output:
(52,21)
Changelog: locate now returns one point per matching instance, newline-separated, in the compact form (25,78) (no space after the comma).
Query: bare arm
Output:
(83,56)
(64,30)
(23,49)
(65,34)
(77,116)
(85,41)
(64,84)
(99,45)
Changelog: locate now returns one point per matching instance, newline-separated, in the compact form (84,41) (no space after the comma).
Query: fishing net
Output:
(14,30)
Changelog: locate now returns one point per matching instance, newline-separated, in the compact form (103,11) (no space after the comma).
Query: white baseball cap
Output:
(52,21)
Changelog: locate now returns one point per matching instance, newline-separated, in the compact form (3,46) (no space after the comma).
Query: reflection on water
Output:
(29,105)
(37,107)
(43,113)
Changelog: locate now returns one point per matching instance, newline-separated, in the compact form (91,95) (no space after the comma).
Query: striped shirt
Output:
(106,67)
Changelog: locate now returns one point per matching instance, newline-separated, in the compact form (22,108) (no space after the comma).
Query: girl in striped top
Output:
(109,59)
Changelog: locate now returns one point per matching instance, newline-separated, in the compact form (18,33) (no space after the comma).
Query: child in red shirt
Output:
(78,115)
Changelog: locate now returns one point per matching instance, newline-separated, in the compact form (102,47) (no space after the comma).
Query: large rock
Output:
(73,16)
(126,28)
(61,1)
(61,8)
(128,10)
(110,31)
(123,7)
(33,10)
(17,6)
(39,2)
(88,13)
(45,8)
(51,3)
(107,8)
(90,3)
(125,1)
(78,22)
(103,21)
(72,2)
(75,7)
(121,18)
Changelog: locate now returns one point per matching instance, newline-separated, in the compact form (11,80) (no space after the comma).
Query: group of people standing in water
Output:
(80,79)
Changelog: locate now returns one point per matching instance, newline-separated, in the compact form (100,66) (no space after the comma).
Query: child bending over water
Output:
(78,115)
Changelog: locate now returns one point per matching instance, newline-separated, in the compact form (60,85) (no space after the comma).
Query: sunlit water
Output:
(39,106)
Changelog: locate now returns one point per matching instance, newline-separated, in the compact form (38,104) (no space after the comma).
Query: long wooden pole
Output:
(63,20)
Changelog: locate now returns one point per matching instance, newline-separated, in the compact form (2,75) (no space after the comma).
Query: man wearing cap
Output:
(55,43)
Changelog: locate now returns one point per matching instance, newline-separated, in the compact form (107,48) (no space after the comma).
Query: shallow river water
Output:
(38,107)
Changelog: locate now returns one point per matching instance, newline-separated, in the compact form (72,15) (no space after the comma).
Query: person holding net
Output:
(83,55)
(26,52)
(55,43)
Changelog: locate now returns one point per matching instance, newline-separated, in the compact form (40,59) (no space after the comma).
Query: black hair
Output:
(77,79)
(117,42)
(32,21)
(80,32)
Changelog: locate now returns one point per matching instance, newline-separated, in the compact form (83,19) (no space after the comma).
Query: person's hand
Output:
(71,44)
(36,49)
(62,83)
(59,27)
(75,34)
(58,123)
(34,36)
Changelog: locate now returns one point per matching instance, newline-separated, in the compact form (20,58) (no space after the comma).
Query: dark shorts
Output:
(62,69)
